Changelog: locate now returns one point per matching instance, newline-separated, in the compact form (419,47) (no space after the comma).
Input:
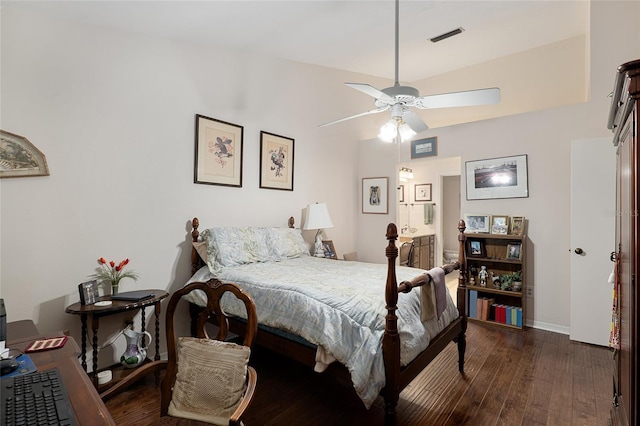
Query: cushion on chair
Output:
(210,380)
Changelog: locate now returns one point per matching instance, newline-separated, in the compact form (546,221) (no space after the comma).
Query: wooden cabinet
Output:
(623,120)
(495,298)
(423,251)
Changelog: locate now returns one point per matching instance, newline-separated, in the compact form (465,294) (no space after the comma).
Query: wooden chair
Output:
(406,253)
(214,290)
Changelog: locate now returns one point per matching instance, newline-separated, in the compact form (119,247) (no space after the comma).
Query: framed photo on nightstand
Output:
(329,249)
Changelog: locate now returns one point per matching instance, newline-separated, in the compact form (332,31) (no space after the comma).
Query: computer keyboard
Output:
(38,398)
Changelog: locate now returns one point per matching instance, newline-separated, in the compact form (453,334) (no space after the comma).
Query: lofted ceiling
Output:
(351,35)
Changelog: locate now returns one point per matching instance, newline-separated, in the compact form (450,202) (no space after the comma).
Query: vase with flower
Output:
(113,273)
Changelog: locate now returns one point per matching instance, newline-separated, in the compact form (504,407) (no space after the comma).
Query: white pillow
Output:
(287,243)
(210,380)
(236,246)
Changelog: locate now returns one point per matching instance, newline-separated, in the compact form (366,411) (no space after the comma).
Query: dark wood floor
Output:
(511,378)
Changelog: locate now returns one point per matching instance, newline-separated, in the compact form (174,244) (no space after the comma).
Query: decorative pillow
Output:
(210,381)
(287,243)
(235,246)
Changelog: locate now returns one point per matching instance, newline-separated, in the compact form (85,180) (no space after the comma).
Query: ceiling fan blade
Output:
(458,99)
(414,121)
(371,91)
(373,111)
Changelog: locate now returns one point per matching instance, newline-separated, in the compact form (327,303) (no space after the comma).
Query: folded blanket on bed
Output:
(433,295)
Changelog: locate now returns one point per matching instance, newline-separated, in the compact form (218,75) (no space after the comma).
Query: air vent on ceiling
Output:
(447,35)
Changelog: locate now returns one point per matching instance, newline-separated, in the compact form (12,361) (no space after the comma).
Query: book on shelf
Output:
(473,298)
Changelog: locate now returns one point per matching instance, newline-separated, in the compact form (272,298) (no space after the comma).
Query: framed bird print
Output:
(276,161)
(218,156)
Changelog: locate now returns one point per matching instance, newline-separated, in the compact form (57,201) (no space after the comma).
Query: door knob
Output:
(579,251)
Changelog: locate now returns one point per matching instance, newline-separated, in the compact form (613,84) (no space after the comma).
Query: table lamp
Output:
(317,218)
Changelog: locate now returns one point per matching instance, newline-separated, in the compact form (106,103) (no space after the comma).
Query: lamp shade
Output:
(317,217)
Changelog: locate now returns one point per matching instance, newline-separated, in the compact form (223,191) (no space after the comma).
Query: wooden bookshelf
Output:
(502,256)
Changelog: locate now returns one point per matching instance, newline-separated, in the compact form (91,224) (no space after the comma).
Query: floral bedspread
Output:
(337,305)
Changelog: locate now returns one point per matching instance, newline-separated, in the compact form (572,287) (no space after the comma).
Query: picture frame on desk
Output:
(89,293)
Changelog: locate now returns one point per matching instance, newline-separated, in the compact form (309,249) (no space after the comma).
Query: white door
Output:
(593,171)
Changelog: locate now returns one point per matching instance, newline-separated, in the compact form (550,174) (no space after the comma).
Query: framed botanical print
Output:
(218,158)
(276,161)
(422,192)
(375,195)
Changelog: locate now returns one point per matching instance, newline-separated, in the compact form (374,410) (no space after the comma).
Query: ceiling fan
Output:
(401,99)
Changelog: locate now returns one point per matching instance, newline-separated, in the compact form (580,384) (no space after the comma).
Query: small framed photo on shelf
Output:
(329,249)
(422,192)
(514,251)
(499,224)
(88,292)
(477,223)
(517,225)
(476,248)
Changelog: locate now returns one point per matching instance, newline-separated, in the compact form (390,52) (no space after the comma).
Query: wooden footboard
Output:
(397,377)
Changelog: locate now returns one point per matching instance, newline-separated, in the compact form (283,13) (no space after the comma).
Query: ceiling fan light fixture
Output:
(388,131)
(406,132)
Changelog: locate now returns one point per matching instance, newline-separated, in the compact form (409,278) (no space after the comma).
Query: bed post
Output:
(391,339)
(462,294)
(195,258)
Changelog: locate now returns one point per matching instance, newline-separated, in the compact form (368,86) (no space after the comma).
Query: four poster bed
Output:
(316,311)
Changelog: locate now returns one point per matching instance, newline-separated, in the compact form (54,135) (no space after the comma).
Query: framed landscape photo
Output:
(218,157)
(504,177)
(276,161)
(424,147)
(514,251)
(517,225)
(375,195)
(476,248)
(329,249)
(477,223)
(422,192)
(499,224)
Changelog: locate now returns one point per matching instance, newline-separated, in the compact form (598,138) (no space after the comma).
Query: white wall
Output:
(545,137)
(114,113)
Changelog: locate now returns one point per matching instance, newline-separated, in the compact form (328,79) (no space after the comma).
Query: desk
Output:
(117,306)
(85,401)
